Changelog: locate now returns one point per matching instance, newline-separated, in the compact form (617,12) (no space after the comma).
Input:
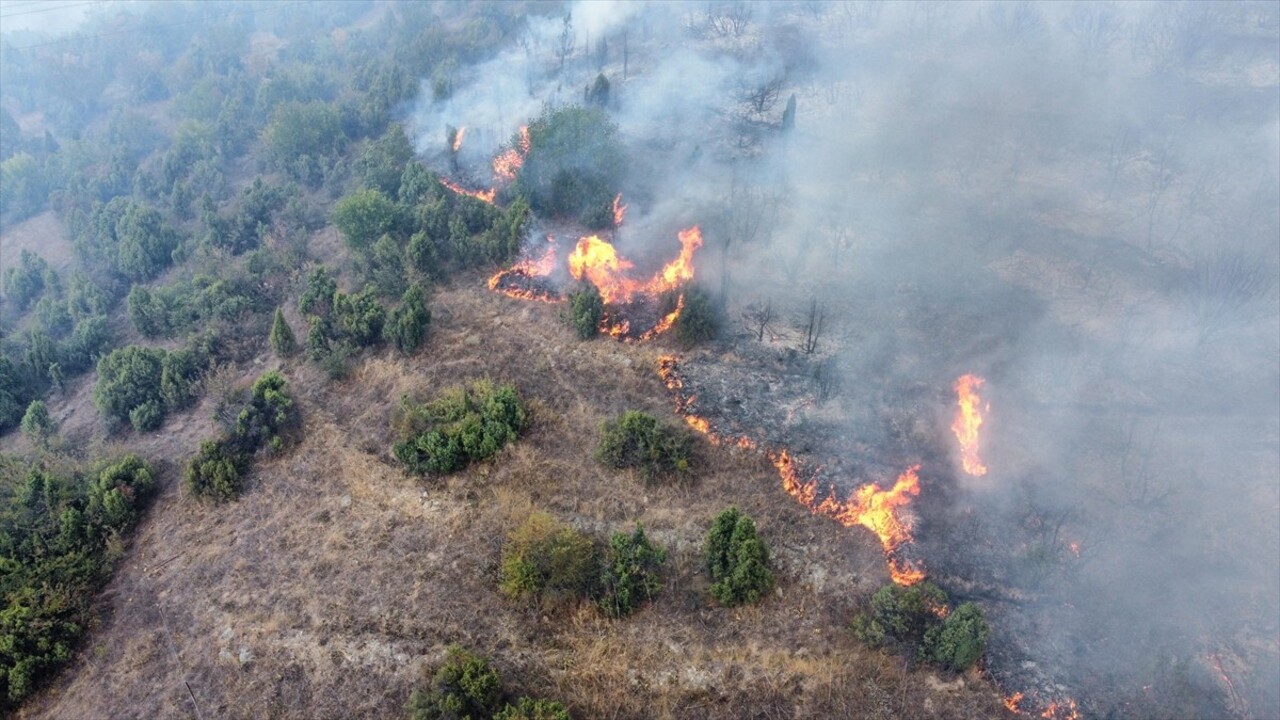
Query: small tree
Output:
(465,686)
(737,560)
(407,326)
(545,559)
(959,641)
(638,440)
(631,573)
(527,708)
(37,425)
(699,321)
(586,308)
(283,342)
(904,614)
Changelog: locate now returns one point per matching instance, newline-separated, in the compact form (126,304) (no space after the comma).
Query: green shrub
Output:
(37,425)
(958,642)
(574,164)
(547,560)
(464,687)
(638,440)
(141,384)
(461,426)
(902,614)
(283,342)
(407,326)
(699,321)
(737,560)
(55,535)
(217,470)
(631,574)
(527,708)
(586,308)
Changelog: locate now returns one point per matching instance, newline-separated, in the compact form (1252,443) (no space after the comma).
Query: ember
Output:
(508,162)
(485,195)
(457,138)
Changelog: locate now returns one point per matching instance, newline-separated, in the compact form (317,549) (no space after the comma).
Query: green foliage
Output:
(638,440)
(904,614)
(699,321)
(465,687)
(574,164)
(37,425)
(126,237)
(958,642)
(242,228)
(283,342)
(195,304)
(141,384)
(461,426)
(15,393)
(631,573)
(598,93)
(407,326)
(218,469)
(527,708)
(301,137)
(586,308)
(24,282)
(317,299)
(55,535)
(547,560)
(364,216)
(382,163)
(358,317)
(737,559)
(24,187)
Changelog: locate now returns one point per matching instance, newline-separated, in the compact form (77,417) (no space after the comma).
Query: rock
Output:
(345,501)
(245,655)
(472,340)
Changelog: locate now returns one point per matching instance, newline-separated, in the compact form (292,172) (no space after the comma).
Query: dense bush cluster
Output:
(217,470)
(141,384)
(194,304)
(574,165)
(699,320)
(738,560)
(465,687)
(637,440)
(461,426)
(631,574)
(918,617)
(59,536)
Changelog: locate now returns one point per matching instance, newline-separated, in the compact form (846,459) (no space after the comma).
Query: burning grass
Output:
(335,581)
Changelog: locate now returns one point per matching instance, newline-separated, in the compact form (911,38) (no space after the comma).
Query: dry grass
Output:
(336,581)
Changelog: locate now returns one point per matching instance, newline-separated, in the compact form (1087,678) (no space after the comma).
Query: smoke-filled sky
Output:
(1078,202)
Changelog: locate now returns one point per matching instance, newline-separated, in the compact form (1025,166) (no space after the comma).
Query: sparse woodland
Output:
(271,445)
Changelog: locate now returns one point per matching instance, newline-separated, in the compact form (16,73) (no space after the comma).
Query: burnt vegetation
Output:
(1075,201)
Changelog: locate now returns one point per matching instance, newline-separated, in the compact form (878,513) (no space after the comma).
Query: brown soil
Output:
(336,582)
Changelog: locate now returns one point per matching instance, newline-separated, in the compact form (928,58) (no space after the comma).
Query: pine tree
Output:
(37,425)
(283,343)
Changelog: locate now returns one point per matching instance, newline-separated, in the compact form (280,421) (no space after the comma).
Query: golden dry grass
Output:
(336,582)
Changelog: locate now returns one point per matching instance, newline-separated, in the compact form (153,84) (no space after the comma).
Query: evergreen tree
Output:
(283,343)
(37,425)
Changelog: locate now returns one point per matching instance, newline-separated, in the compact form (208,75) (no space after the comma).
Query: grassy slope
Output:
(336,581)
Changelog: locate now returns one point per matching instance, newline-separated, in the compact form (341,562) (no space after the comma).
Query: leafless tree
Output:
(826,377)
(729,19)
(564,47)
(1095,27)
(812,326)
(763,95)
(747,214)
(757,316)
(1230,287)
(1143,489)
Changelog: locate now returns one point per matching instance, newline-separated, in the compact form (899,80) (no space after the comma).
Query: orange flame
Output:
(598,261)
(528,268)
(619,210)
(1013,701)
(508,162)
(968,420)
(1065,711)
(869,506)
(457,138)
(485,195)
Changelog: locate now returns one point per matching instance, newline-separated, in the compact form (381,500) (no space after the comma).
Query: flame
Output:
(485,195)
(457,138)
(1066,711)
(1012,702)
(968,420)
(619,210)
(508,162)
(869,506)
(508,282)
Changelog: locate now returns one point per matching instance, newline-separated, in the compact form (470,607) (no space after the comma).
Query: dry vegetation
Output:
(336,581)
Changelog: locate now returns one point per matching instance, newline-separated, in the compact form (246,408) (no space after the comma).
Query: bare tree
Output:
(747,214)
(1095,27)
(763,95)
(826,378)
(812,326)
(729,19)
(1230,287)
(758,316)
(564,47)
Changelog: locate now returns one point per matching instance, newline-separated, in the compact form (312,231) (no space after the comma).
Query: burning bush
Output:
(699,318)
(638,440)
(460,427)
(918,616)
(737,559)
(547,560)
(631,573)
